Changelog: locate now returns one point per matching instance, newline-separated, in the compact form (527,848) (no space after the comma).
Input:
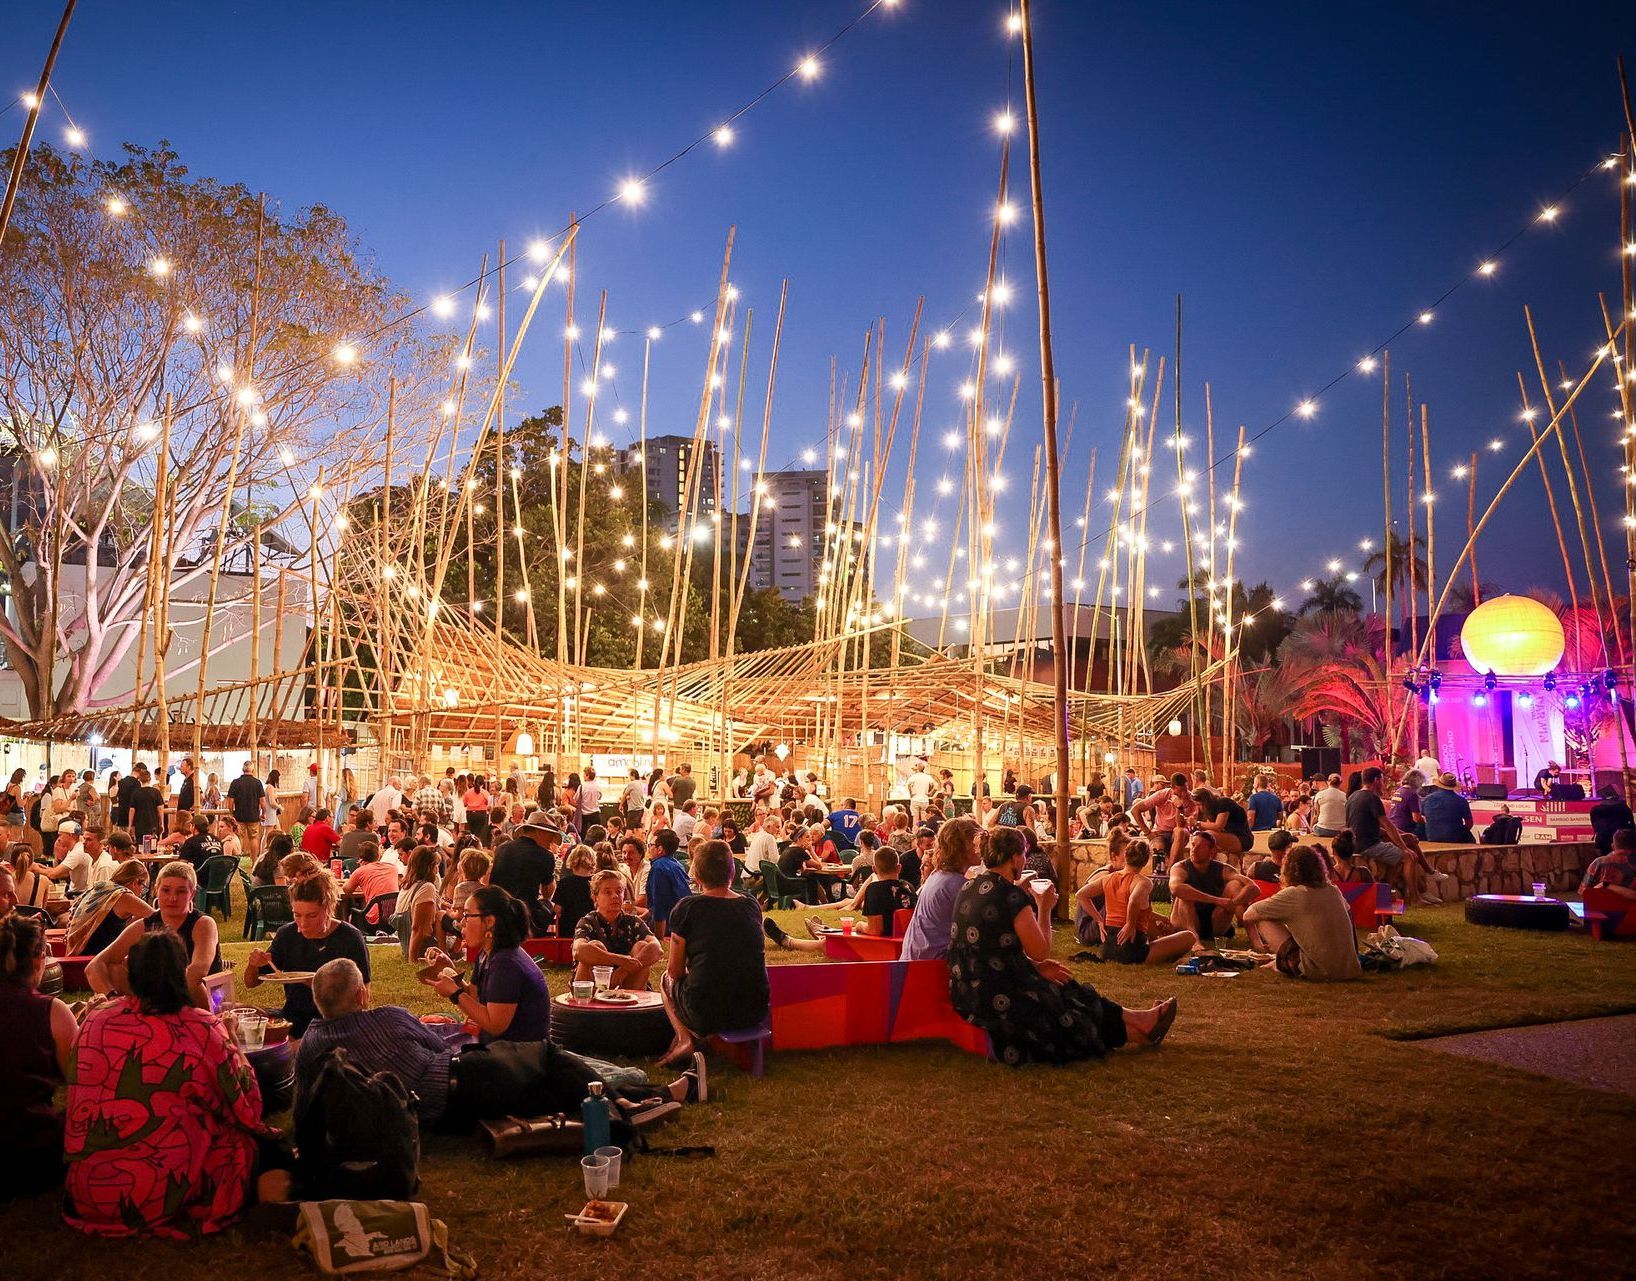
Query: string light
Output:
(1004,123)
(632,192)
(808,68)
(723,136)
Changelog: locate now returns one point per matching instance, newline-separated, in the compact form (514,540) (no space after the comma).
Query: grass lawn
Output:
(1282,1130)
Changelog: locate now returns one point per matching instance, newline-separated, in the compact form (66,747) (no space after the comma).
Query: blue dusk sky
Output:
(1308,177)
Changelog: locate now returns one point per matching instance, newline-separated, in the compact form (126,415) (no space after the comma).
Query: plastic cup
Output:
(846,924)
(252,1030)
(603,974)
(596,1172)
(582,989)
(614,1156)
(1539,889)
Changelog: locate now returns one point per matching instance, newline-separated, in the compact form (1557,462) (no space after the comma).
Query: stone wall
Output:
(1476,869)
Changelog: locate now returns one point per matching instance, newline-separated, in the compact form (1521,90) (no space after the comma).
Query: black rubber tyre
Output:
(275,1074)
(1491,910)
(51,980)
(616,1035)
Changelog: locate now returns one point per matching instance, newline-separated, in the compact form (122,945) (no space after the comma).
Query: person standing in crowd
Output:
(633,801)
(245,797)
(682,785)
(526,868)
(590,800)
(187,792)
(147,807)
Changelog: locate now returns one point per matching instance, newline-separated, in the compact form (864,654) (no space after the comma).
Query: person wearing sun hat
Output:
(1448,814)
(526,867)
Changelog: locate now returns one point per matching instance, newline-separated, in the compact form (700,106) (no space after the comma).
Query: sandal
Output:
(1161,1025)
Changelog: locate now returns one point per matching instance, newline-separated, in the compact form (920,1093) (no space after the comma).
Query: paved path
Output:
(1599,1053)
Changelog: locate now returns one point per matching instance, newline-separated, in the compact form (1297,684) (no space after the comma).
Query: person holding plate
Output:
(312,938)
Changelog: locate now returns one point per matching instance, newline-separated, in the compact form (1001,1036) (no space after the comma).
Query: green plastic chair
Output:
(779,891)
(267,908)
(216,884)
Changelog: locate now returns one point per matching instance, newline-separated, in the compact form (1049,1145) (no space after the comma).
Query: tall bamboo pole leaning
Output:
(1386,546)
(1048,381)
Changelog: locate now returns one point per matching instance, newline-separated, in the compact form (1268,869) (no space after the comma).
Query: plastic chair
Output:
(383,907)
(216,884)
(779,892)
(267,907)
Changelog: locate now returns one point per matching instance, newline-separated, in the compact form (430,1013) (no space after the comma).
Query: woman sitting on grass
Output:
(1348,871)
(174,891)
(40,1035)
(1131,933)
(1306,925)
(415,918)
(610,934)
(164,1125)
(507,997)
(716,980)
(1004,981)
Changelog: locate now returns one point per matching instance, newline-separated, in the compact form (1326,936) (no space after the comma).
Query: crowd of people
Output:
(164,1130)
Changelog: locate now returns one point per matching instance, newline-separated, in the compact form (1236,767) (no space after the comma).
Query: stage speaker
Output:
(1567,792)
(1492,792)
(1320,762)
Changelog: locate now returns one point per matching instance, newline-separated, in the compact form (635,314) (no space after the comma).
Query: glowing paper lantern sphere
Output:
(1513,636)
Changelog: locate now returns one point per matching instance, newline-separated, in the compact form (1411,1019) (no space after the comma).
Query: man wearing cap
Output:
(73,863)
(525,867)
(309,786)
(1448,814)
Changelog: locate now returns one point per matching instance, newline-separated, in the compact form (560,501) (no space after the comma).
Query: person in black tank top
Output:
(174,892)
(1207,895)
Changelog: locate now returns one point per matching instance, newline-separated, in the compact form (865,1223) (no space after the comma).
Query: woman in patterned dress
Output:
(1003,980)
(164,1128)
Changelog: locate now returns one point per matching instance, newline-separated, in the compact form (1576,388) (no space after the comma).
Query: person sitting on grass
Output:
(716,978)
(1206,894)
(414,916)
(454,1089)
(507,997)
(573,893)
(1090,896)
(1267,869)
(1132,934)
(609,934)
(958,852)
(1346,868)
(40,1035)
(885,895)
(1614,871)
(164,1128)
(1307,924)
(174,893)
(1004,981)
(312,937)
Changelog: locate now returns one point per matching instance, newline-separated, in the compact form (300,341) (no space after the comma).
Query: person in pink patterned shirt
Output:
(164,1130)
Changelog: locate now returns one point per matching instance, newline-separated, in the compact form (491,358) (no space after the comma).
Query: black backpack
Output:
(357,1134)
(1506,829)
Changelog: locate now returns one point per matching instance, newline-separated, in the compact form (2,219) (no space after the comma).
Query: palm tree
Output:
(1401,563)
(1331,596)
(1338,673)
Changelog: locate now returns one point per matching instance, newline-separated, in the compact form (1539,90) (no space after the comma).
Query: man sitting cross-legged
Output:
(610,935)
(1207,895)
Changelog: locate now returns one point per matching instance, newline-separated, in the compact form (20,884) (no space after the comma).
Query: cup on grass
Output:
(596,1172)
(846,924)
(613,1157)
(603,974)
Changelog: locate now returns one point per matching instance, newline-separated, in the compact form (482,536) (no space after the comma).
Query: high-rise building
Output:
(664,466)
(790,532)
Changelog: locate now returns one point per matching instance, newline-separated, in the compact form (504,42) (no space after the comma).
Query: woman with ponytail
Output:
(507,997)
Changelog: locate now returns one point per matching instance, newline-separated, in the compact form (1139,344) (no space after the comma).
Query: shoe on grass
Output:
(773,930)
(698,1089)
(815,927)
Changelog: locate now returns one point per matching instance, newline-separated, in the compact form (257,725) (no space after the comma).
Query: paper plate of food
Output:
(615,997)
(287,976)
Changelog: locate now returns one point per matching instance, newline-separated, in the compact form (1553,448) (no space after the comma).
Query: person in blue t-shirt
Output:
(668,883)
(1264,806)
(1448,814)
(845,824)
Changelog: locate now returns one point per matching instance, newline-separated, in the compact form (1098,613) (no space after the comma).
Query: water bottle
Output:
(594,1113)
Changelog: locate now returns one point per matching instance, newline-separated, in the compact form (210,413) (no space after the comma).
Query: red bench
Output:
(553,951)
(1370,902)
(818,1006)
(1609,915)
(869,947)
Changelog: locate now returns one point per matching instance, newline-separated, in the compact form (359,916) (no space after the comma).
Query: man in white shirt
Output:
(634,799)
(1329,809)
(763,844)
(920,785)
(684,820)
(103,862)
(309,787)
(590,800)
(387,799)
(73,863)
(1428,766)
(55,802)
